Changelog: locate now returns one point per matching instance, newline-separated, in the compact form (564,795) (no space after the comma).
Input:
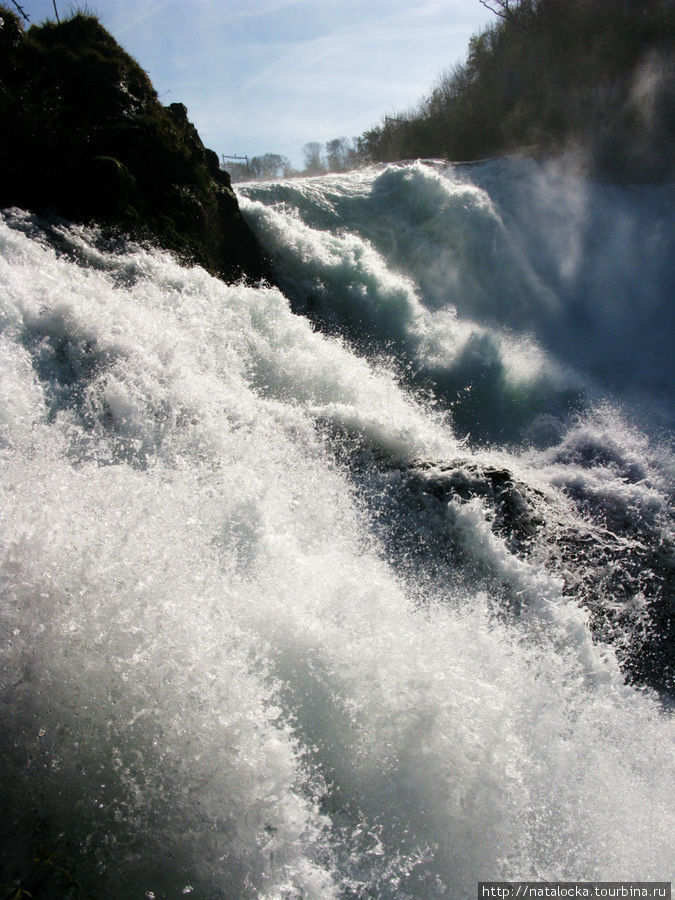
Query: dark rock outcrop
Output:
(86,138)
(621,568)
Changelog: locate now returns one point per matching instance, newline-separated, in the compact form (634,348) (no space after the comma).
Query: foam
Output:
(213,675)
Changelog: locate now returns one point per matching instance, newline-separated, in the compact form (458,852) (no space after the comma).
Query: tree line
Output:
(546,76)
(337,155)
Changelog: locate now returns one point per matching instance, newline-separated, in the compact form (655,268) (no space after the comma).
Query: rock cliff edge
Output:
(86,138)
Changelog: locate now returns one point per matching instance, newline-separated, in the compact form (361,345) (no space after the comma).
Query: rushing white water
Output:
(271,625)
(510,286)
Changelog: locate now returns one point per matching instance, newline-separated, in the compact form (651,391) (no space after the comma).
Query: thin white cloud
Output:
(262,8)
(269,75)
(128,17)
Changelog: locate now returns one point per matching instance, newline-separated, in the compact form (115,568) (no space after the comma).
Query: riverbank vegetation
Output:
(549,76)
(596,77)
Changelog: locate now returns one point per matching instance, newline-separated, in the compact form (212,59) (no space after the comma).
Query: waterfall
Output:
(355,587)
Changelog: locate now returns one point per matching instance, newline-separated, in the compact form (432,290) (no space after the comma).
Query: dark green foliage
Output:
(592,75)
(86,137)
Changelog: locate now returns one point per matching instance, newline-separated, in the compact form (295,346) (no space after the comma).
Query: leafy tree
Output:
(369,145)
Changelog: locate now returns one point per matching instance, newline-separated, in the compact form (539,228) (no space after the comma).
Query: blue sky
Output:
(266,76)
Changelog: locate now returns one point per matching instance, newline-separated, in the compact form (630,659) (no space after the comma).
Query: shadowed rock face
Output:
(86,138)
(620,567)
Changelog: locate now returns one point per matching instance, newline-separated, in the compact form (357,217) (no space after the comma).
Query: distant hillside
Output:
(86,138)
(597,76)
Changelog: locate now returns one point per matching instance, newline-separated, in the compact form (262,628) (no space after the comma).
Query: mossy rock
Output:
(90,141)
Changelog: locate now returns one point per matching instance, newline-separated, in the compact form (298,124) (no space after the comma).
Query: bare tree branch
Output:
(515,12)
(56,12)
(503,10)
(21,10)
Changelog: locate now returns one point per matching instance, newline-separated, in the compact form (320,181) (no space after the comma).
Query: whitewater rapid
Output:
(347,591)
(515,289)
